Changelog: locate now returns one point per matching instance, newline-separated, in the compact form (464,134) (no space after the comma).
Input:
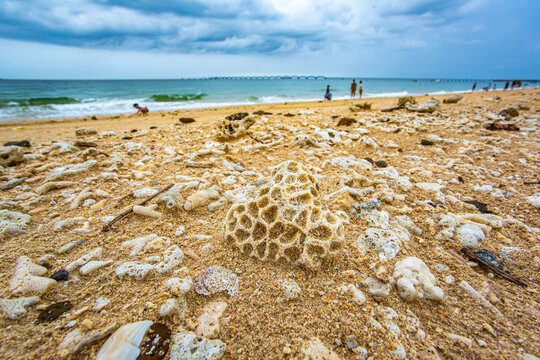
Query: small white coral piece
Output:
(27,278)
(93,265)
(94,254)
(201,198)
(135,270)
(290,289)
(209,325)
(179,287)
(138,244)
(415,280)
(15,308)
(187,345)
(149,211)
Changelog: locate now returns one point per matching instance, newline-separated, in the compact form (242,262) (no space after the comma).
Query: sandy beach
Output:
(400,180)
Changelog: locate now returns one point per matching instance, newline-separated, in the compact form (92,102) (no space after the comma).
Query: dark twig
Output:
(200,166)
(497,271)
(532,182)
(393,108)
(107,227)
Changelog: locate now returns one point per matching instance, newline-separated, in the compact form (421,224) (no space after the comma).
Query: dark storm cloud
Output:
(220,26)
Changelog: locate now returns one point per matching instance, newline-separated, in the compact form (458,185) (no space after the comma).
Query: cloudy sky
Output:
(89,39)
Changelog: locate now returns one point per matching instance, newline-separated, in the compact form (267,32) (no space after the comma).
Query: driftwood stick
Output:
(532,182)
(107,226)
(497,271)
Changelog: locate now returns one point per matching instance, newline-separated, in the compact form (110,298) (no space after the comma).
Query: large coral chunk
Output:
(286,221)
(232,128)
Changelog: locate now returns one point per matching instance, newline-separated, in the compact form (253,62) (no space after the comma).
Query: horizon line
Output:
(279,77)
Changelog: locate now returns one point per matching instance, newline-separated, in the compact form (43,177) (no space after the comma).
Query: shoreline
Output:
(112,122)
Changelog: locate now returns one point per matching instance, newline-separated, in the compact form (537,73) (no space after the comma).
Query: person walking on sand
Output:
(474,86)
(328,95)
(353,88)
(360,89)
(506,85)
(140,110)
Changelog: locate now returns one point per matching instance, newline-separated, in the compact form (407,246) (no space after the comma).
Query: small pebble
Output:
(60,275)
(87,324)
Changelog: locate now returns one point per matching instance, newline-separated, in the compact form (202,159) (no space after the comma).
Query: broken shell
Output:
(127,342)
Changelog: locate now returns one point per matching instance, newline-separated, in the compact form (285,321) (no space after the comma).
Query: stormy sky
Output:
(99,39)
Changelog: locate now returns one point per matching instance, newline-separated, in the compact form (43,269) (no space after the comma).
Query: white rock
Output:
(534,201)
(174,307)
(94,254)
(27,278)
(179,287)
(172,257)
(70,170)
(149,211)
(315,349)
(92,266)
(209,325)
(188,346)
(136,270)
(100,304)
(138,244)
(290,289)
(15,308)
(358,296)
(180,230)
(144,192)
(434,187)
(201,198)
(378,289)
(415,280)
(12,222)
(470,236)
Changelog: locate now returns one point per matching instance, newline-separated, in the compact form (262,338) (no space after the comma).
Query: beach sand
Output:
(465,162)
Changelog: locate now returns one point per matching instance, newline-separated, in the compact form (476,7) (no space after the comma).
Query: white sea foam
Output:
(111,98)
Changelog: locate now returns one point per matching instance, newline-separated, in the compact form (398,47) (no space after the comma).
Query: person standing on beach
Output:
(360,89)
(506,85)
(353,88)
(328,95)
(474,86)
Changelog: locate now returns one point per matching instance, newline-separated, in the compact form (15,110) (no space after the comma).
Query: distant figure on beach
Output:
(494,87)
(360,89)
(506,85)
(140,110)
(353,88)
(486,88)
(328,95)
(474,87)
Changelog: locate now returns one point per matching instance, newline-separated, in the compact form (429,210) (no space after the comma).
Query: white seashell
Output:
(124,343)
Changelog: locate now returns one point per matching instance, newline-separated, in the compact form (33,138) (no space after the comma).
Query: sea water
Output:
(46,99)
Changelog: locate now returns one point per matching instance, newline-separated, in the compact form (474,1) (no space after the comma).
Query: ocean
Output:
(22,100)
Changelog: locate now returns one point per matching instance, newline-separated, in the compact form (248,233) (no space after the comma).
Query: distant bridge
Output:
(363,78)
